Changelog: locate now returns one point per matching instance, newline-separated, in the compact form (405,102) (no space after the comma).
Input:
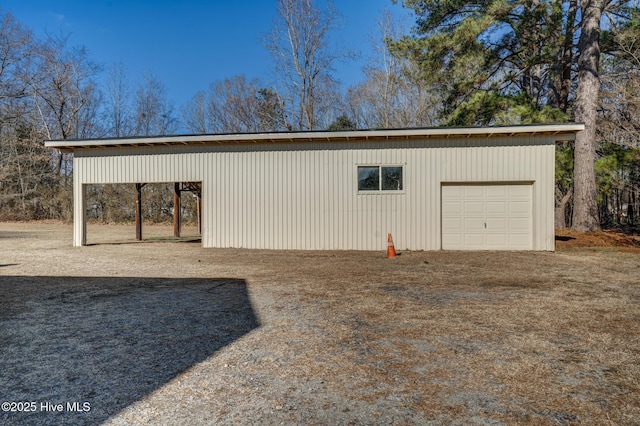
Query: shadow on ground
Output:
(104,343)
(172,240)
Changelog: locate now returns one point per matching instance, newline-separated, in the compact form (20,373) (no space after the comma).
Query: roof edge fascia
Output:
(565,129)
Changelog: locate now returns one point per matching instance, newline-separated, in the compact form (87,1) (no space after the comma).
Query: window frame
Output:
(380,166)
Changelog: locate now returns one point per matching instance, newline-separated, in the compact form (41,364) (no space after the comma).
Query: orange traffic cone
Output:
(391,250)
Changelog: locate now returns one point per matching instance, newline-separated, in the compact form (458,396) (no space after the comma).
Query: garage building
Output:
(472,188)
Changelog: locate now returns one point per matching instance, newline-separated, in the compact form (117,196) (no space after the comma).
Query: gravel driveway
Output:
(165,332)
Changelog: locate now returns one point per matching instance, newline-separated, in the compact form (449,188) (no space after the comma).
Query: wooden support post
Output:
(177,219)
(199,208)
(139,211)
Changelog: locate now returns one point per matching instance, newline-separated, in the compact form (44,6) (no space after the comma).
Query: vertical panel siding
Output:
(79,203)
(304,196)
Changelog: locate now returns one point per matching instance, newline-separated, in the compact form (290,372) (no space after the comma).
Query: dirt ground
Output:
(166,332)
(568,238)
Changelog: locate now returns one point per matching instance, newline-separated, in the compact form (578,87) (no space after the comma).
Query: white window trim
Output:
(381,191)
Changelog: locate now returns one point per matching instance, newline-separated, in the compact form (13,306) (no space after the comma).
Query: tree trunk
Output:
(561,210)
(567,58)
(585,208)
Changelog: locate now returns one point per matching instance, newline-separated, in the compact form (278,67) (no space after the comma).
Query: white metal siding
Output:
(304,195)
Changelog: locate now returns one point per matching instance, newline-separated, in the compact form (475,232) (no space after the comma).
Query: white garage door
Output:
(487,217)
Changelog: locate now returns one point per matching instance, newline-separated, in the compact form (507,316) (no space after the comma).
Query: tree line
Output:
(496,62)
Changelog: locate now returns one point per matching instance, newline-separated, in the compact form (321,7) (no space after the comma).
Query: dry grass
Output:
(482,338)
(519,338)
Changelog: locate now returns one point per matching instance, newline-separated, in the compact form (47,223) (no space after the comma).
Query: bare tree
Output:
(299,43)
(194,114)
(392,95)
(234,105)
(231,106)
(154,114)
(28,184)
(383,82)
(16,50)
(271,111)
(118,110)
(62,88)
(619,94)
(16,53)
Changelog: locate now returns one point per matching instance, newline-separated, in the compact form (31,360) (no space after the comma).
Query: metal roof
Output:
(564,129)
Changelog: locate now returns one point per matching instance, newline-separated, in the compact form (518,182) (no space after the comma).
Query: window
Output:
(379,178)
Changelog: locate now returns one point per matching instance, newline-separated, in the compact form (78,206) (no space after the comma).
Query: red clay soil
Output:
(566,238)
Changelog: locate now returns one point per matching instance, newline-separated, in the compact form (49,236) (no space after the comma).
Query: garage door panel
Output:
(519,224)
(473,207)
(499,191)
(519,241)
(496,207)
(519,191)
(487,217)
(519,207)
(472,191)
(453,240)
(455,191)
(473,240)
(496,241)
(452,223)
(452,207)
(473,223)
(496,224)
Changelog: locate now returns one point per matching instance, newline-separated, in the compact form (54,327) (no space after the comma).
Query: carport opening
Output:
(149,211)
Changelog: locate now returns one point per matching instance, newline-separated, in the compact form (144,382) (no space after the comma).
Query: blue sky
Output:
(189,44)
